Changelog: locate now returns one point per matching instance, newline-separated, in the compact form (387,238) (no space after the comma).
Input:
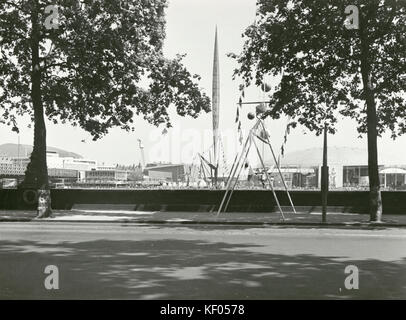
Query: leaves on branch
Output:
(306,42)
(100,67)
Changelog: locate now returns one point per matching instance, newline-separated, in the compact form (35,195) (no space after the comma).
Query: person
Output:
(250,175)
(263,179)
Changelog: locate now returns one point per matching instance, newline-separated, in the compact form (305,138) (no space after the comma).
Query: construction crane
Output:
(140,145)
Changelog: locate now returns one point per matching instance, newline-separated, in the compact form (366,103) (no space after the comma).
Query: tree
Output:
(336,60)
(95,64)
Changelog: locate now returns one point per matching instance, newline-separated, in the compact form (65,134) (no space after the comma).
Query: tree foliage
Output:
(308,42)
(102,65)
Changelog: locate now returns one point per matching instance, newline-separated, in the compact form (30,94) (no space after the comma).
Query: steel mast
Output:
(216,106)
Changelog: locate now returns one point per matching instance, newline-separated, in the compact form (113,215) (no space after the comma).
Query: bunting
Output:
(237,119)
(225,166)
(285,140)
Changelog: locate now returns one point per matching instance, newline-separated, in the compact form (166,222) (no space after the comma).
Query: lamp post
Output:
(324,177)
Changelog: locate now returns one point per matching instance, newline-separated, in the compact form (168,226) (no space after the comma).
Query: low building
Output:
(80,165)
(11,167)
(63,174)
(166,172)
(104,176)
(16,167)
(295,177)
(348,169)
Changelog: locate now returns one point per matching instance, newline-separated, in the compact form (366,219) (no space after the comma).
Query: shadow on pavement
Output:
(180,269)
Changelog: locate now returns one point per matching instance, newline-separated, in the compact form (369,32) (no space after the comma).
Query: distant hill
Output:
(347,156)
(11,150)
(336,155)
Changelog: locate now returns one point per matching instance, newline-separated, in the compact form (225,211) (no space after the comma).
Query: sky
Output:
(190,30)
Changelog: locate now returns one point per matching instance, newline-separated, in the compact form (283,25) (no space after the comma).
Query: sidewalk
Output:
(250,219)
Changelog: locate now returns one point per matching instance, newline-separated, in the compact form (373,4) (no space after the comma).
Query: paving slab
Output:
(233,218)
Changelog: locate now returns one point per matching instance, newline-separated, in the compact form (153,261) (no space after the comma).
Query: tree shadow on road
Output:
(186,269)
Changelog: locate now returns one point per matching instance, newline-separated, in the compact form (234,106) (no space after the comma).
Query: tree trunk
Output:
(36,175)
(375,199)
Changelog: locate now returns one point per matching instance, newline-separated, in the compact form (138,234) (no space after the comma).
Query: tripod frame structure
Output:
(238,165)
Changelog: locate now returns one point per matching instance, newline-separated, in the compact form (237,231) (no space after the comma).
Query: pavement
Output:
(111,215)
(187,262)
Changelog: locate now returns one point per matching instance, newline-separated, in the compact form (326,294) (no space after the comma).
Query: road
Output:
(129,261)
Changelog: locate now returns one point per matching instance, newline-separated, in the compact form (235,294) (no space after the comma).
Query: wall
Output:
(394,202)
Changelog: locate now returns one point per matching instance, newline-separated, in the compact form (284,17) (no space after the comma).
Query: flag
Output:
(240,132)
(241,137)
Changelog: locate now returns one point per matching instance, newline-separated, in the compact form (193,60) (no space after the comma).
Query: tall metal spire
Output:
(216,98)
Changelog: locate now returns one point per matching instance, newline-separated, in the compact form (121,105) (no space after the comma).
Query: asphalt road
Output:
(114,261)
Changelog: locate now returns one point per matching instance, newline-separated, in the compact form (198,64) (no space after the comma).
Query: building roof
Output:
(161,166)
(393,171)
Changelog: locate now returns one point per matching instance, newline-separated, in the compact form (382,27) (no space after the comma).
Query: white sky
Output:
(190,30)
